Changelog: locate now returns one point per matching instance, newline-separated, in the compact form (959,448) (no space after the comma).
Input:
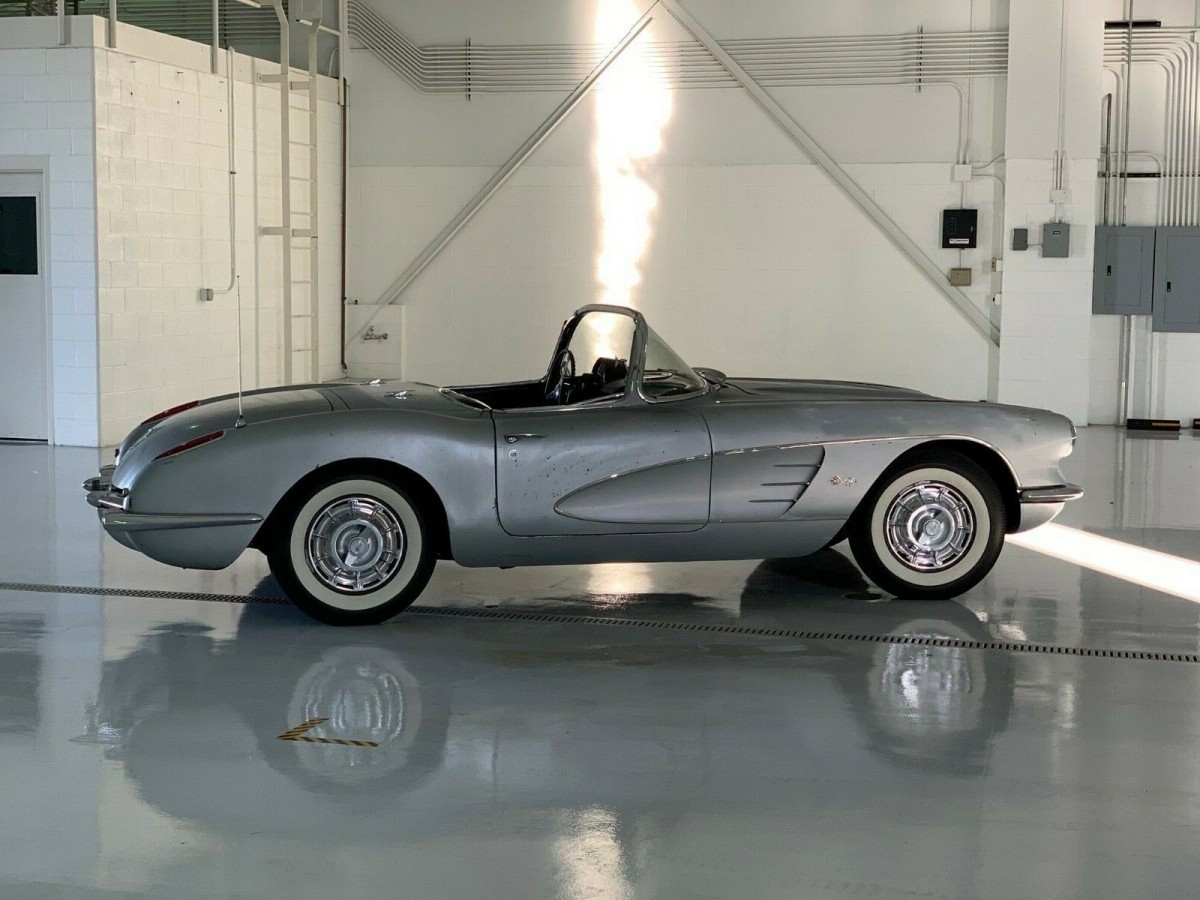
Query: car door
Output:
(607,468)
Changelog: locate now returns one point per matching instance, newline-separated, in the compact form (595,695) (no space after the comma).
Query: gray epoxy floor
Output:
(139,752)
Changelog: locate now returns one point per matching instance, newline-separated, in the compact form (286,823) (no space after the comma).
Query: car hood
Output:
(766,389)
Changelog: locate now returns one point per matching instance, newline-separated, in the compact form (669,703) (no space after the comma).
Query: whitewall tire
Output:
(931,529)
(354,551)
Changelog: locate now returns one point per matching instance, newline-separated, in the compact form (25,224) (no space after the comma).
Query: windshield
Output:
(666,374)
(602,340)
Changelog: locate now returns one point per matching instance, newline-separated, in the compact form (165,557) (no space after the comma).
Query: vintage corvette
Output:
(620,452)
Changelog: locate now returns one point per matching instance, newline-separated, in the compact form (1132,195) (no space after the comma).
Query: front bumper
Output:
(1057,493)
(1040,505)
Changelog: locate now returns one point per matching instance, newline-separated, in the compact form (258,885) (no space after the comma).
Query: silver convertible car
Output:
(621,452)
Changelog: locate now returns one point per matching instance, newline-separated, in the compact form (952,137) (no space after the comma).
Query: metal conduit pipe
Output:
(1172,139)
(1170,65)
(1174,51)
(901,59)
(1179,57)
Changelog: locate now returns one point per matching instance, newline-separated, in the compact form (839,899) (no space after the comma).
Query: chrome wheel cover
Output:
(355,544)
(929,526)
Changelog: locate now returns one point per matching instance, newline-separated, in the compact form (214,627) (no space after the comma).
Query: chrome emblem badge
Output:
(837,480)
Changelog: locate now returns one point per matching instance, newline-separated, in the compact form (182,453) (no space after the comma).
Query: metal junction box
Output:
(1056,240)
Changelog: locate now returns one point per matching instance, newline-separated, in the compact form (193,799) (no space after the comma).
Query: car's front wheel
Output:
(354,551)
(930,530)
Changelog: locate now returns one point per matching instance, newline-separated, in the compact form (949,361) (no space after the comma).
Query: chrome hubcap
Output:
(355,544)
(929,526)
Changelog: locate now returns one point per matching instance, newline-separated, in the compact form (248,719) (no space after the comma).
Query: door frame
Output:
(39,167)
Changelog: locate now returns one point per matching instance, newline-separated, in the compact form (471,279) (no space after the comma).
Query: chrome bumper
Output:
(1057,493)
(118,521)
(1040,505)
(102,494)
(116,518)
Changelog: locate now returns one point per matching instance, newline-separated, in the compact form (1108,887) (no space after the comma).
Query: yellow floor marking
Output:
(297,734)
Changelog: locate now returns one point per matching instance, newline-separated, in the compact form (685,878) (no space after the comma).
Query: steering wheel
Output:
(562,370)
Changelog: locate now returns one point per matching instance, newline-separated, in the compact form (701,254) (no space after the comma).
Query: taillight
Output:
(192,444)
(167,413)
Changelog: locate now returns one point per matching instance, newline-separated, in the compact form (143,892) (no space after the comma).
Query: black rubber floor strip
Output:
(456,612)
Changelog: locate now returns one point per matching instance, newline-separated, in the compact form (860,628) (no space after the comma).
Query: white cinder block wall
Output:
(134,145)
(163,190)
(46,124)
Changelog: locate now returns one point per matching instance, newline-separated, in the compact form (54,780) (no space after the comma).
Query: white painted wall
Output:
(743,274)
(756,264)
(46,116)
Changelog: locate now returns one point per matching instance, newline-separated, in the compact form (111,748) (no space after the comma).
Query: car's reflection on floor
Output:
(524,713)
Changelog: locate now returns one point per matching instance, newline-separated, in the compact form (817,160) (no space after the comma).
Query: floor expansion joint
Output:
(923,640)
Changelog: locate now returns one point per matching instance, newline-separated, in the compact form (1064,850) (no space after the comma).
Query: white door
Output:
(22,308)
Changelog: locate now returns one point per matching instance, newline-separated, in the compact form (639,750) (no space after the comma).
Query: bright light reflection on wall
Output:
(633,105)
(1138,565)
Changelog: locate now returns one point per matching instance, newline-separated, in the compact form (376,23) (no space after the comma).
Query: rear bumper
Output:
(117,521)
(188,540)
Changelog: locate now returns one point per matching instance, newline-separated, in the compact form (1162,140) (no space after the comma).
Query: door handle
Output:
(513,438)
(1168,287)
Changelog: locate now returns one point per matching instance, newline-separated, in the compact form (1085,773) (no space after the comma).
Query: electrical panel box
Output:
(959,227)
(1123,277)
(1056,240)
(1177,279)
(1020,239)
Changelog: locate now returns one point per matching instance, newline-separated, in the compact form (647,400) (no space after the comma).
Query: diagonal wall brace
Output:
(393,293)
(840,177)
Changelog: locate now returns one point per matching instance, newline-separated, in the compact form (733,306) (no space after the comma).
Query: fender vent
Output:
(921,640)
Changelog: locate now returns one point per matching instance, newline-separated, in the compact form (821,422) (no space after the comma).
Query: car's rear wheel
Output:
(354,551)
(931,529)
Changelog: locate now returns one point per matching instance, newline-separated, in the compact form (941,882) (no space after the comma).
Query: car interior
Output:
(587,368)
(606,379)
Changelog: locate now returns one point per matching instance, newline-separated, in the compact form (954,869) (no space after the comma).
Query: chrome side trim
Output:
(1056,493)
(122,522)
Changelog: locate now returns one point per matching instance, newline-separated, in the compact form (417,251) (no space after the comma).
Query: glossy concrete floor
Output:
(139,750)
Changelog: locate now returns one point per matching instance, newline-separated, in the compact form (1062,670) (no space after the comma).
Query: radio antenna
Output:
(241,419)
